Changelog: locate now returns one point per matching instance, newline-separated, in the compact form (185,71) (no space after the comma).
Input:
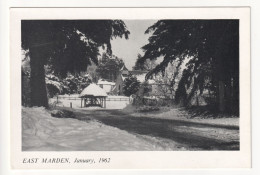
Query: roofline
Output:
(106,83)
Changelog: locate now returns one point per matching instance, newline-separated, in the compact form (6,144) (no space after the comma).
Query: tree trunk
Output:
(235,93)
(221,96)
(38,85)
(229,96)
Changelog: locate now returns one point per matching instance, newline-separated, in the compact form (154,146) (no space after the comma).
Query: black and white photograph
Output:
(130,85)
(130,88)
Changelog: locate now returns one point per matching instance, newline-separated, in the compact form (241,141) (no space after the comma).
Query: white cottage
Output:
(106,85)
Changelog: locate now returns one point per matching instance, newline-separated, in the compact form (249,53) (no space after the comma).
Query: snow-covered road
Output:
(117,130)
(171,131)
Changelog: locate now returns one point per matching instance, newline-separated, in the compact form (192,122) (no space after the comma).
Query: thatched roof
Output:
(93,90)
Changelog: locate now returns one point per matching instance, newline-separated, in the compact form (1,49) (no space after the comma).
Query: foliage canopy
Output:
(65,45)
(212,47)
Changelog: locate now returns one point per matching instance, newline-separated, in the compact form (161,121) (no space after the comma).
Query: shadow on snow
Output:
(163,128)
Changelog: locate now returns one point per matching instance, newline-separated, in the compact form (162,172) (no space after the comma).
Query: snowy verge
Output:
(179,114)
(41,132)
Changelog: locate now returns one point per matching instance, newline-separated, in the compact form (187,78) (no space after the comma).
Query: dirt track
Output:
(172,134)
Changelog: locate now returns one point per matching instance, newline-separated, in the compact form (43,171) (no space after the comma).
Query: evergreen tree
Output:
(213,49)
(131,85)
(66,45)
(108,68)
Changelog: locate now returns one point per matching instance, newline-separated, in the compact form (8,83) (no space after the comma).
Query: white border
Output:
(4,77)
(135,159)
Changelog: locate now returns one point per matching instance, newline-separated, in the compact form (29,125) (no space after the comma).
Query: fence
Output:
(67,98)
(117,99)
(107,99)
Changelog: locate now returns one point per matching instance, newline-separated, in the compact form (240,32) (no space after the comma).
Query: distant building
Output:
(123,74)
(106,85)
(156,90)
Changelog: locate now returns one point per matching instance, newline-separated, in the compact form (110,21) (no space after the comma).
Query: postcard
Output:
(130,88)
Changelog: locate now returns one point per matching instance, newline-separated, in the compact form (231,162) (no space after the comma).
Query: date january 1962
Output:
(65,160)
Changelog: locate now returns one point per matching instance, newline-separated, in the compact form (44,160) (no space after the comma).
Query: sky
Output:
(129,49)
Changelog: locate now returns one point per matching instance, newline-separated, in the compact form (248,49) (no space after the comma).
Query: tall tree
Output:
(67,45)
(147,65)
(213,49)
(108,67)
(167,84)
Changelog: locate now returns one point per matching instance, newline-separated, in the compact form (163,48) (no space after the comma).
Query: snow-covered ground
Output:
(122,130)
(76,102)
(42,132)
(182,115)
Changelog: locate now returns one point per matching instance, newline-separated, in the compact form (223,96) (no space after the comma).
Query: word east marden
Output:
(64,160)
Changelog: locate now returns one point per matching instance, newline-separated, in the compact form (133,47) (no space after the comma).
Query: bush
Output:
(62,114)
